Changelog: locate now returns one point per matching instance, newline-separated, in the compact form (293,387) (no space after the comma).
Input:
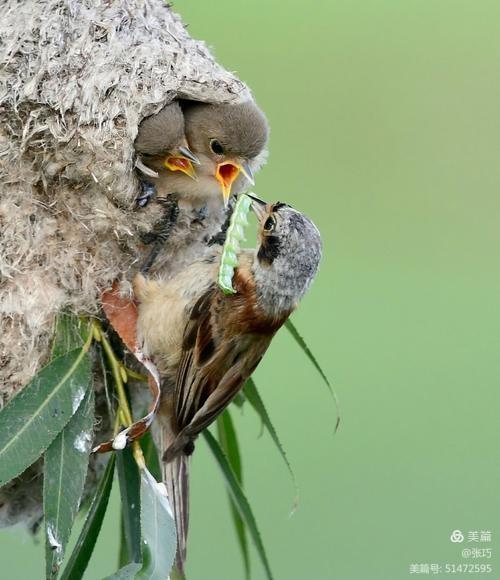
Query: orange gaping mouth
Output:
(226,174)
(180,164)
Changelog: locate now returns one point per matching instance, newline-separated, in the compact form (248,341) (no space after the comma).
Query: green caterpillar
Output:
(235,235)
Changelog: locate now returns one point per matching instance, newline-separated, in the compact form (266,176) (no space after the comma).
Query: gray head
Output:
(162,133)
(161,137)
(287,257)
(226,138)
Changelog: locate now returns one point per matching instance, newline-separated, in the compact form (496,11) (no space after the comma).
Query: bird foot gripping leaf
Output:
(235,235)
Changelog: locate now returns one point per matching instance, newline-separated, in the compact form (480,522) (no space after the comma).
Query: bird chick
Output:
(162,145)
(227,142)
(206,344)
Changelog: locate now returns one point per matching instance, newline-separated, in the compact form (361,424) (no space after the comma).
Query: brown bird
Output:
(207,344)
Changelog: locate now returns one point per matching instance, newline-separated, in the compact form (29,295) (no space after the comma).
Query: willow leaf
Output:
(77,564)
(64,470)
(239,499)
(70,332)
(239,400)
(302,343)
(253,397)
(130,492)
(158,529)
(66,459)
(229,444)
(33,419)
(151,455)
(122,550)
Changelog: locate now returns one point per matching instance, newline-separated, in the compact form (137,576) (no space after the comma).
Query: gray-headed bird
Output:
(206,344)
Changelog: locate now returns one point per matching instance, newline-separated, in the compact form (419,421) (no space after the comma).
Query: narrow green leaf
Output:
(152,462)
(151,455)
(123,551)
(64,471)
(229,444)
(239,400)
(239,498)
(158,529)
(130,490)
(66,459)
(33,419)
(253,397)
(108,391)
(301,342)
(70,332)
(77,564)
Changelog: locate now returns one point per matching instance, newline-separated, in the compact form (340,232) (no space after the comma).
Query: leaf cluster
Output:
(53,418)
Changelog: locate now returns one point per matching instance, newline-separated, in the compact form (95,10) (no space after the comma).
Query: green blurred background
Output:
(386,131)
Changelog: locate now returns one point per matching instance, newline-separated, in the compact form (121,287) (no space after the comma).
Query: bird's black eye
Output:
(216,147)
(269,224)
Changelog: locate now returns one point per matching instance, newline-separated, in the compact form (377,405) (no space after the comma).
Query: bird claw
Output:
(161,232)
(200,214)
(148,191)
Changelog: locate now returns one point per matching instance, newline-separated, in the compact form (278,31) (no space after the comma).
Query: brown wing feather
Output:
(198,318)
(224,340)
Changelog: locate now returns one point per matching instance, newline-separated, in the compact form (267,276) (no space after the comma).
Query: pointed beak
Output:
(247,172)
(188,154)
(226,173)
(259,207)
(181,163)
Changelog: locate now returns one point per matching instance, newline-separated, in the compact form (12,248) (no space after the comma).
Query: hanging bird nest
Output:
(76,79)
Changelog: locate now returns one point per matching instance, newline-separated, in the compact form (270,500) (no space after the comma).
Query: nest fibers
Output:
(76,79)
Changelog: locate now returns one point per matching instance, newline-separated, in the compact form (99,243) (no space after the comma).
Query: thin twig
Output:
(135,375)
(124,412)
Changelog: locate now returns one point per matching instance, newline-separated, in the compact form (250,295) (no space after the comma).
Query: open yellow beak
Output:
(226,174)
(180,163)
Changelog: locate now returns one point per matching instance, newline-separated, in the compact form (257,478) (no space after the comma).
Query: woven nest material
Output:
(76,79)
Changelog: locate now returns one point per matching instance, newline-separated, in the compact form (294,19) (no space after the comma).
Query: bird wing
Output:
(218,356)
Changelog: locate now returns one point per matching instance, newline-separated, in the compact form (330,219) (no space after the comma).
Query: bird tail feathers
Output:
(176,478)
